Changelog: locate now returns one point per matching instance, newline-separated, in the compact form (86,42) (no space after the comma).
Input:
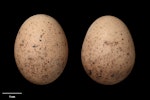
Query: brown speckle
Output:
(106,42)
(40,40)
(89,72)
(30,58)
(21,69)
(115,43)
(45,54)
(98,74)
(41,57)
(21,44)
(42,35)
(26,65)
(119,56)
(33,73)
(34,46)
(128,53)
(101,71)
(110,43)
(120,49)
(45,77)
(112,75)
(122,39)
(42,30)
(56,44)
(93,63)
(112,62)
(107,64)
(59,32)
(45,69)
(45,63)
(65,44)
(22,41)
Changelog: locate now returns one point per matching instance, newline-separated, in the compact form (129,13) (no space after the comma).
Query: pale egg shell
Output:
(108,52)
(41,49)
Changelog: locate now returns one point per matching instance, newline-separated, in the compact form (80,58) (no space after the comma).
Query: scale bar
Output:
(11,92)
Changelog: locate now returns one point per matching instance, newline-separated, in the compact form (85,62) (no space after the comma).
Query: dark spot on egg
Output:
(107,64)
(21,44)
(22,41)
(98,74)
(106,42)
(45,77)
(34,46)
(56,44)
(93,63)
(115,43)
(42,35)
(41,58)
(59,32)
(112,75)
(30,58)
(45,69)
(112,62)
(21,69)
(65,44)
(120,49)
(33,73)
(45,63)
(89,72)
(45,54)
(119,56)
(110,43)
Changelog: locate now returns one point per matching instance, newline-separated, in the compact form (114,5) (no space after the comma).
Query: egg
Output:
(41,49)
(108,52)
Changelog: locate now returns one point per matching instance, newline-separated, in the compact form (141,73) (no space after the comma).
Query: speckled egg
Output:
(108,52)
(41,49)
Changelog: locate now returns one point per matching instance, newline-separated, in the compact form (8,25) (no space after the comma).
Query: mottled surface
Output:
(108,53)
(41,49)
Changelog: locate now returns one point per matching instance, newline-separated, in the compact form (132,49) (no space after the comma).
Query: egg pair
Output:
(41,50)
